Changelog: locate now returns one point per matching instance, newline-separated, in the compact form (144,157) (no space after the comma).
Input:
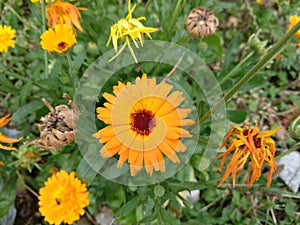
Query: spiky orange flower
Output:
(126,29)
(59,39)
(7,35)
(63,198)
(3,121)
(61,12)
(293,21)
(245,143)
(144,124)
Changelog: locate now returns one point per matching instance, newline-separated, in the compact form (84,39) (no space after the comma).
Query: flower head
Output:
(127,30)
(144,124)
(4,139)
(59,39)
(63,198)
(248,142)
(61,12)
(40,1)
(293,21)
(7,35)
(201,22)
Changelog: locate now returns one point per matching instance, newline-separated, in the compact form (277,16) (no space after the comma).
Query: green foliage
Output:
(270,98)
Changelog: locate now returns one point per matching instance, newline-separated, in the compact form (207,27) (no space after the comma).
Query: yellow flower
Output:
(63,198)
(293,21)
(144,124)
(40,1)
(61,12)
(126,29)
(248,143)
(59,39)
(7,35)
(3,121)
(258,1)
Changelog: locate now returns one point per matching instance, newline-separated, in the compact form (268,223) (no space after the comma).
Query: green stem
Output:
(44,29)
(15,13)
(236,68)
(294,148)
(157,210)
(277,48)
(146,7)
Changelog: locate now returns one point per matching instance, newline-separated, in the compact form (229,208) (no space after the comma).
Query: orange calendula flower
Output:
(61,12)
(293,21)
(7,35)
(59,39)
(63,198)
(126,29)
(245,143)
(144,124)
(4,139)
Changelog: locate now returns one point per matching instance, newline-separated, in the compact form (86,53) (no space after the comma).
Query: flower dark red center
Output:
(142,122)
(62,45)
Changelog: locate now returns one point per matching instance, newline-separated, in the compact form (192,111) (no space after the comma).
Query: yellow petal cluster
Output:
(293,21)
(127,30)
(145,124)
(63,198)
(7,35)
(245,144)
(59,39)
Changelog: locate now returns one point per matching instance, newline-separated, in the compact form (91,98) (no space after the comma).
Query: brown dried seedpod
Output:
(57,128)
(201,22)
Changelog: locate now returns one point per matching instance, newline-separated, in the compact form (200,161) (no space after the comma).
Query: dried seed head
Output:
(201,22)
(57,127)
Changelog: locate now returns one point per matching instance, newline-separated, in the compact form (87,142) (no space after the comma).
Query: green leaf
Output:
(215,45)
(27,110)
(177,185)
(85,172)
(168,218)
(8,195)
(115,195)
(290,208)
(148,219)
(130,206)
(7,86)
(237,116)
(79,59)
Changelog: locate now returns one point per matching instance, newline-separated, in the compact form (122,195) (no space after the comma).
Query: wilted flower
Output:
(61,12)
(293,21)
(127,30)
(63,198)
(4,139)
(59,39)
(144,124)
(7,35)
(57,128)
(201,22)
(245,143)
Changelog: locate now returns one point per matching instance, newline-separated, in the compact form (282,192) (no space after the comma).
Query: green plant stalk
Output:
(275,50)
(15,13)
(44,29)
(294,148)
(236,68)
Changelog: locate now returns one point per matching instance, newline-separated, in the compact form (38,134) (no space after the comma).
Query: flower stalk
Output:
(277,48)
(44,29)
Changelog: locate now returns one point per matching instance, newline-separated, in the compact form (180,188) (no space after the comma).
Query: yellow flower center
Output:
(142,122)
